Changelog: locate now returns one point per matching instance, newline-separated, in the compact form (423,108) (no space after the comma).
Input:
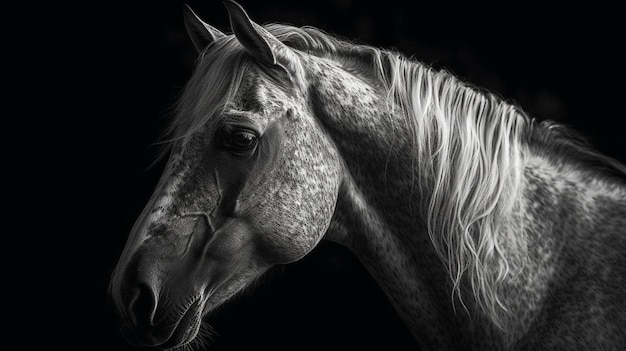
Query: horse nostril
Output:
(142,305)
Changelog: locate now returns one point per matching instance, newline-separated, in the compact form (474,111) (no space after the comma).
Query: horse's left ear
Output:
(255,39)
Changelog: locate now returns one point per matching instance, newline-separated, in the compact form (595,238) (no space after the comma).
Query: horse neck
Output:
(381,216)
(377,214)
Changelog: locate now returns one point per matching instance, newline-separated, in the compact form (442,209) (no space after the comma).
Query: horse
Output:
(485,228)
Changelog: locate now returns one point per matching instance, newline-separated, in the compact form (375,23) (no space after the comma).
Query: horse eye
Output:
(240,141)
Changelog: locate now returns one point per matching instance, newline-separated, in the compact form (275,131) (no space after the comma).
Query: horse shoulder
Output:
(576,230)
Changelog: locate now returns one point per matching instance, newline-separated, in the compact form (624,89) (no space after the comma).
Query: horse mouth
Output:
(186,328)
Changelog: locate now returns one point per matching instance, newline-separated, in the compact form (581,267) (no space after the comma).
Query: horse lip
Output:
(185,329)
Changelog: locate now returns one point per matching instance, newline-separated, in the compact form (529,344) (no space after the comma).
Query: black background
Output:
(110,72)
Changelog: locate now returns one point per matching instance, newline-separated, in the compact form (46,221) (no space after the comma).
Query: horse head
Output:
(251,182)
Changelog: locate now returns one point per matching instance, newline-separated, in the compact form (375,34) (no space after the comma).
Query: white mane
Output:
(468,147)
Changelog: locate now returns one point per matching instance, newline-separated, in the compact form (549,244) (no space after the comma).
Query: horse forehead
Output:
(259,93)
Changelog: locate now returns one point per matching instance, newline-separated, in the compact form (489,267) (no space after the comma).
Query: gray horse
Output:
(485,229)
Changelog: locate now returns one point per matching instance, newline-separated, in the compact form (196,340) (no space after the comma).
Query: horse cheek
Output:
(310,216)
(294,219)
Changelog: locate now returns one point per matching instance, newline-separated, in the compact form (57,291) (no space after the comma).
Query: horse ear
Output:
(255,39)
(201,34)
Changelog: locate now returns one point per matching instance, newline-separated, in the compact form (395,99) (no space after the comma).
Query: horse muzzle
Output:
(162,290)
(151,318)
